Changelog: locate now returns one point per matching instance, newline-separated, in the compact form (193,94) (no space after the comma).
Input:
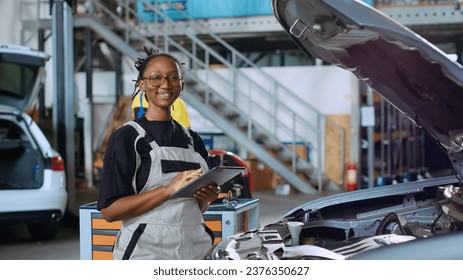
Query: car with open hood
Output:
(32,175)
(413,220)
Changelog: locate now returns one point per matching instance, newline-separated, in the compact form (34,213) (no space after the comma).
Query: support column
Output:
(88,119)
(63,93)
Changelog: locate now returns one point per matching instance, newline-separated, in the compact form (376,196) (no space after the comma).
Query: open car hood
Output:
(411,73)
(21,75)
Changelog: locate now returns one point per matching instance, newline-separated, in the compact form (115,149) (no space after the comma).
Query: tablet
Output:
(218,175)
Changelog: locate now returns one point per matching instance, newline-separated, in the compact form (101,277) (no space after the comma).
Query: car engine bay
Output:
(347,227)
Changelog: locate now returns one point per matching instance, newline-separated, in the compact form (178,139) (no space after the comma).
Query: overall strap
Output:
(150,141)
(191,145)
(142,132)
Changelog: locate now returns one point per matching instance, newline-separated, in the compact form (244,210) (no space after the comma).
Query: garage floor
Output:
(15,243)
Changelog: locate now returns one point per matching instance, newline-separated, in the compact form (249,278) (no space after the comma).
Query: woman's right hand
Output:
(183,178)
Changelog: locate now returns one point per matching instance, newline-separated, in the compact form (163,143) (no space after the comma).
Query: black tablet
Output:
(218,175)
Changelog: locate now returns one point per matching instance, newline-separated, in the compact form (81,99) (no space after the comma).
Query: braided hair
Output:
(140,65)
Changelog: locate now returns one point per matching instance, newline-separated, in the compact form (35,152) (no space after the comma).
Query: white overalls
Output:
(174,229)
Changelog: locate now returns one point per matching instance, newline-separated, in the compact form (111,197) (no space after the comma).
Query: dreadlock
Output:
(140,65)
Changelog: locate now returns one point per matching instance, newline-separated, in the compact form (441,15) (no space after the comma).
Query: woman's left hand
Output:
(208,194)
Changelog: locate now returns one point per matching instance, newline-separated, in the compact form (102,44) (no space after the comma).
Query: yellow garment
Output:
(180,113)
(179,110)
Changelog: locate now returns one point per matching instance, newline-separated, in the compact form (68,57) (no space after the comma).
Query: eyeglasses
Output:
(158,80)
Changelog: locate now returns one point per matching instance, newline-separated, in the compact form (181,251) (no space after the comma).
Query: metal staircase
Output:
(255,112)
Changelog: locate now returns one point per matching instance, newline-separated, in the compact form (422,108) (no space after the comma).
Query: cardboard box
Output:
(302,151)
(262,176)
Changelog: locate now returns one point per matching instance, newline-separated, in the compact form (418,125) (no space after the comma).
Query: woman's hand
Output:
(184,178)
(206,195)
(209,193)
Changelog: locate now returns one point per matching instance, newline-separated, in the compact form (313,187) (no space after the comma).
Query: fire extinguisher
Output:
(351,175)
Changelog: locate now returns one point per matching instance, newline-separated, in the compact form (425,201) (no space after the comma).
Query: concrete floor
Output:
(15,243)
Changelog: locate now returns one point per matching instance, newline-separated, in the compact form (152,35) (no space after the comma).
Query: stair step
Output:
(314,181)
(242,125)
(260,137)
(190,83)
(284,159)
(274,148)
(307,172)
(217,104)
(200,93)
(231,115)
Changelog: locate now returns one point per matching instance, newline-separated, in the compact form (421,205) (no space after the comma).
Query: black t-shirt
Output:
(119,159)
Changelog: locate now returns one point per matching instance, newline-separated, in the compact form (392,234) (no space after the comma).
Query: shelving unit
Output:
(393,149)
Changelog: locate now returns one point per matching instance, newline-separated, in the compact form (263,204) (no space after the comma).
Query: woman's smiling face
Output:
(162,82)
